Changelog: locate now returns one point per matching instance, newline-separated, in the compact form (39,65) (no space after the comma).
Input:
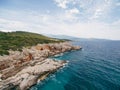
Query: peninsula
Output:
(21,69)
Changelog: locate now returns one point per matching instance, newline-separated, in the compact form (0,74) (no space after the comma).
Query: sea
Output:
(95,67)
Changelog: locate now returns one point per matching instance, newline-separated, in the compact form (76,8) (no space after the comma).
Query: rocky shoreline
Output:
(21,70)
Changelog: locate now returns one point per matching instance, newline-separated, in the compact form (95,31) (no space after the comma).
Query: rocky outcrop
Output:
(23,69)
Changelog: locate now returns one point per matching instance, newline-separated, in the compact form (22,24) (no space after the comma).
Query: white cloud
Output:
(74,11)
(101,10)
(6,24)
(85,30)
(118,4)
(70,15)
(59,23)
(97,13)
(91,9)
(62,3)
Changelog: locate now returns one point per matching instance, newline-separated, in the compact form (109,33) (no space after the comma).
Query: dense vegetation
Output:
(19,39)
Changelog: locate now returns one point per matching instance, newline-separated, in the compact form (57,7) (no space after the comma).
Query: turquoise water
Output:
(96,67)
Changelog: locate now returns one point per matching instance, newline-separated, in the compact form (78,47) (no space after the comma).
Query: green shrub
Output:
(17,40)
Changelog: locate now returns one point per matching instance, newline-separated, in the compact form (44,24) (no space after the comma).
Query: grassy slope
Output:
(18,40)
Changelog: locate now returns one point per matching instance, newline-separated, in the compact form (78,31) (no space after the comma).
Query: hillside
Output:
(19,39)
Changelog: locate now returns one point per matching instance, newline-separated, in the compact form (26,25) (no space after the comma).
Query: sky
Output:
(79,18)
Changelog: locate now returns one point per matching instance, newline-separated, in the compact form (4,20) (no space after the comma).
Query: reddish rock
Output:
(17,64)
(28,58)
(46,47)
(38,47)
(3,66)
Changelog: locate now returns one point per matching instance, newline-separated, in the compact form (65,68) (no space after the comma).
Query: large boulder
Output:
(28,82)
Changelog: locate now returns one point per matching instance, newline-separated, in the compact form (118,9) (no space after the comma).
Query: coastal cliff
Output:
(21,70)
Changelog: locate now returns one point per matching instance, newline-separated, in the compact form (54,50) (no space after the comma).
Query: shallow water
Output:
(95,67)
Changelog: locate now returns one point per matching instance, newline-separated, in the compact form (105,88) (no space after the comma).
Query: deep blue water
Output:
(95,67)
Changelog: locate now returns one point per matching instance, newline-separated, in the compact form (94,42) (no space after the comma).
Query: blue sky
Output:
(80,18)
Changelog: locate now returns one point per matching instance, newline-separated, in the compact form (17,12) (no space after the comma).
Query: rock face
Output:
(23,69)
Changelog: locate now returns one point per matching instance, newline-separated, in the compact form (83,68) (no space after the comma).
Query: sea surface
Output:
(95,67)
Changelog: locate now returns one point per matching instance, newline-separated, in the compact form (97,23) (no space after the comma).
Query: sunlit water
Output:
(95,67)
